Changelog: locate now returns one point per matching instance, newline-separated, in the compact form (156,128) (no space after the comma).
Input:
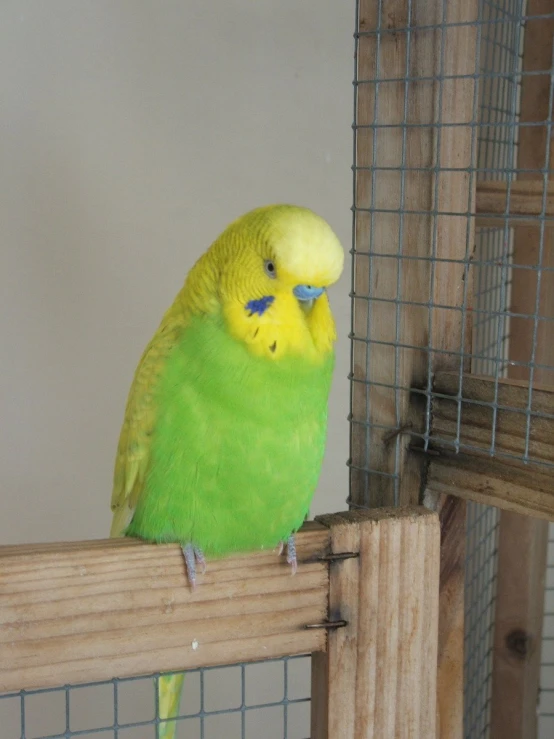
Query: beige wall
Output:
(132,132)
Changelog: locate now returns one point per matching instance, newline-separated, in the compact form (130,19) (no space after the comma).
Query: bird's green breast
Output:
(237,446)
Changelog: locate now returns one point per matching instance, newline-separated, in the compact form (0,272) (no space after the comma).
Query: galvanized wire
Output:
(546,696)
(480,591)
(495,128)
(497,150)
(243,701)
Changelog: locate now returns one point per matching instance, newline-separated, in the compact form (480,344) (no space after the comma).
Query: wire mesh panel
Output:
(269,699)
(546,704)
(480,580)
(500,67)
(417,308)
(453,260)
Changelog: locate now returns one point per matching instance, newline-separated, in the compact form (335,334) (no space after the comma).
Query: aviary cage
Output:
(452,401)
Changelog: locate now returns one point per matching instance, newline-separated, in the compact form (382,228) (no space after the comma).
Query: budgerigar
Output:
(225,424)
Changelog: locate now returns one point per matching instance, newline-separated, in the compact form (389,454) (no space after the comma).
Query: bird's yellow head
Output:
(268,273)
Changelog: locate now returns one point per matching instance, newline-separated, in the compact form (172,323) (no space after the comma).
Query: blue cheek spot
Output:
(259,306)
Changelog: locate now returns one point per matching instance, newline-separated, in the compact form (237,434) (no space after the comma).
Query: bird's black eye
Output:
(269,267)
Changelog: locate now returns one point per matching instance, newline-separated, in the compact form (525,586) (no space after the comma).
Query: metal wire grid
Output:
(546,703)
(269,699)
(480,588)
(496,124)
(501,48)
(495,128)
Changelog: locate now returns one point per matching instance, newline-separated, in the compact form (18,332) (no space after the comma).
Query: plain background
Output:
(132,132)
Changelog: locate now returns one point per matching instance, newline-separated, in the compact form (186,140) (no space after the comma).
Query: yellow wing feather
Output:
(133,449)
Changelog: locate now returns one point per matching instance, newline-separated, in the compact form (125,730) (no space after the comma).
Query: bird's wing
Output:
(133,452)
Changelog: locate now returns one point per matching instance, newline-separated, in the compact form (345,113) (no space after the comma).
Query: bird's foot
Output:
(291,553)
(193,556)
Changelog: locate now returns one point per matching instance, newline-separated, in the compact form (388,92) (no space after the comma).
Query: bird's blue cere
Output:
(260,306)
(307,292)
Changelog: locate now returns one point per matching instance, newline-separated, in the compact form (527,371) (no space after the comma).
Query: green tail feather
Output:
(169,698)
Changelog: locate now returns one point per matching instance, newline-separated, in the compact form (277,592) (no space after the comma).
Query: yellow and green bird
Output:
(225,424)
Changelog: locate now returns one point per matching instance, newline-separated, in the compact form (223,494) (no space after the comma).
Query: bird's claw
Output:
(291,553)
(193,556)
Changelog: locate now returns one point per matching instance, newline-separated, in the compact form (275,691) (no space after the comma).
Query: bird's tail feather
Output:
(169,697)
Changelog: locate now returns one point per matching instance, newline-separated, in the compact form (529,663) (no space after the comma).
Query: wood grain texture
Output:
(450,332)
(520,202)
(378,274)
(402,343)
(375,680)
(452,512)
(510,487)
(503,432)
(472,474)
(91,611)
(522,549)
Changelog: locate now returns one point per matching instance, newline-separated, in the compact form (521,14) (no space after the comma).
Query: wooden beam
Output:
(375,680)
(522,548)
(502,481)
(397,345)
(451,286)
(452,511)
(505,485)
(522,541)
(474,423)
(91,611)
(382,471)
(525,203)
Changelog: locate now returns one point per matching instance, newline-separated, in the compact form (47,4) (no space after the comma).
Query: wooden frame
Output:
(436,333)
(364,599)
(522,570)
(389,595)
(502,481)
(520,202)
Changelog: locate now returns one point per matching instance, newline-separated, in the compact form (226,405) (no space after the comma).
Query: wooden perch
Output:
(86,611)
(502,480)
(525,206)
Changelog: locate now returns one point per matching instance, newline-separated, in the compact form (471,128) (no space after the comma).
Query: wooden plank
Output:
(501,481)
(91,611)
(401,343)
(375,681)
(334,676)
(382,471)
(451,286)
(508,486)
(525,203)
(508,391)
(485,431)
(452,511)
(522,548)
